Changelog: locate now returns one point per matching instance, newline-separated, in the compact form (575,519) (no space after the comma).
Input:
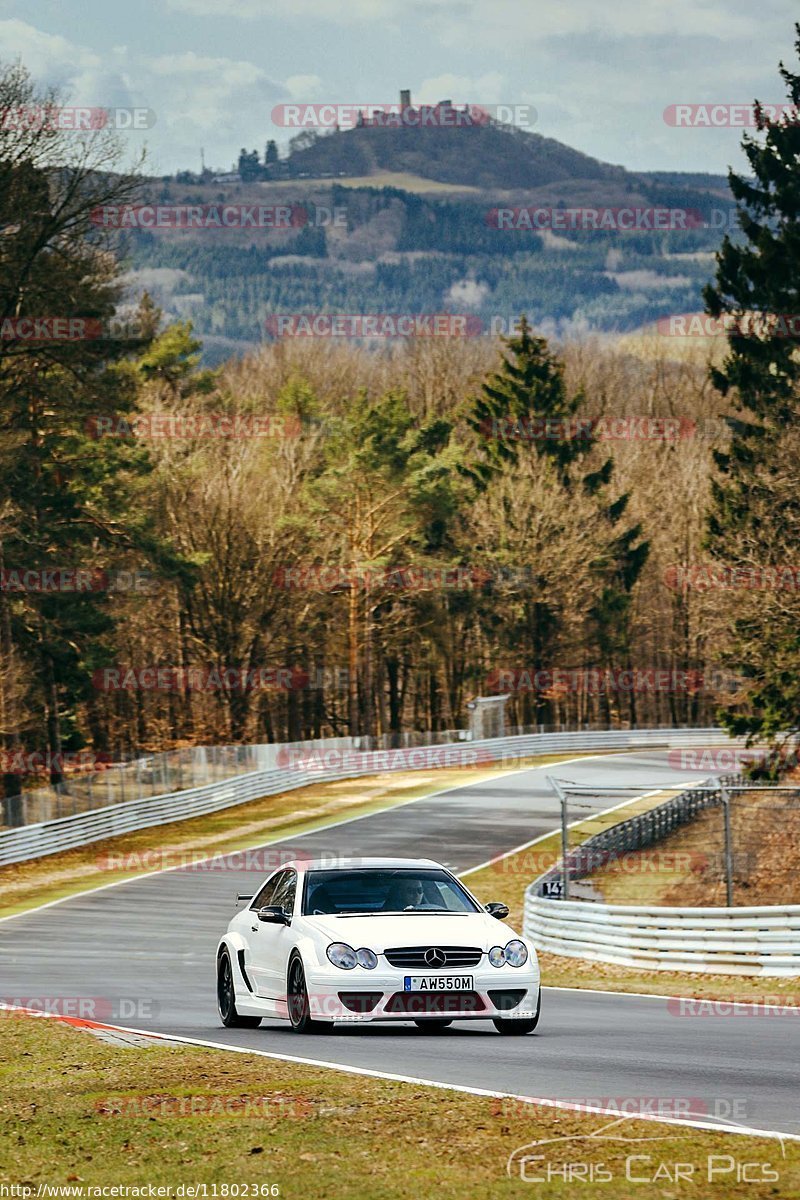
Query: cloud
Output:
(497,21)
(461,89)
(332,11)
(645,280)
(304,87)
(224,100)
(219,103)
(78,73)
(553,242)
(466,293)
(160,282)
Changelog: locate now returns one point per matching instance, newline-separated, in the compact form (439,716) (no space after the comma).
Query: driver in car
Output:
(405,894)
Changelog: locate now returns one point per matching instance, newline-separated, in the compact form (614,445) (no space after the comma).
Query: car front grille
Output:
(413,957)
(434,1004)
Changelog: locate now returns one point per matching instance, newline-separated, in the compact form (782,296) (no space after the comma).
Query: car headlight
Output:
(366,958)
(516,953)
(497,956)
(342,955)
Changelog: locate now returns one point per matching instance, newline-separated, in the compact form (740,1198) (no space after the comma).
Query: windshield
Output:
(352,893)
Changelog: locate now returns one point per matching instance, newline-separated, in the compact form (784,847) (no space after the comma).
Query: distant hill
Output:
(398,221)
(484,156)
(715,184)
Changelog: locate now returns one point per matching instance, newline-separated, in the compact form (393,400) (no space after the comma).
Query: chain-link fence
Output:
(151,775)
(683,852)
(195,766)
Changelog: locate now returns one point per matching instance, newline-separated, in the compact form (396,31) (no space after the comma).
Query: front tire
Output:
(511,1026)
(297,1001)
(226,998)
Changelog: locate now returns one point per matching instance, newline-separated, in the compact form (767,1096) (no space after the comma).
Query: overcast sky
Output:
(599,75)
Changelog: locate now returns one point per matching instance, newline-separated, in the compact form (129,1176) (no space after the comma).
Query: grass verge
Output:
(77,1112)
(405,180)
(688,867)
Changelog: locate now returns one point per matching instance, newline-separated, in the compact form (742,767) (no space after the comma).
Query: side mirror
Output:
(496,909)
(274,914)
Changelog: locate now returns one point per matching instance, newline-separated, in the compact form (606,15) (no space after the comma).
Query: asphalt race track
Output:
(148,946)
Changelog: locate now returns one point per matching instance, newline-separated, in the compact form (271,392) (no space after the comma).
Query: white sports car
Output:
(374,939)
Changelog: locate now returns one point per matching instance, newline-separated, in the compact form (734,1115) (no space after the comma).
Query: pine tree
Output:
(526,405)
(755,516)
(526,402)
(68,498)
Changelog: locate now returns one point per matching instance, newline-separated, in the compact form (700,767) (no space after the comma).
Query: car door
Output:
(270,944)
(253,931)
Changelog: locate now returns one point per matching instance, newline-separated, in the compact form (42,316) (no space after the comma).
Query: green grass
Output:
(75,1111)
(405,180)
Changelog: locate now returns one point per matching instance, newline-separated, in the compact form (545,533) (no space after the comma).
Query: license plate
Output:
(438,983)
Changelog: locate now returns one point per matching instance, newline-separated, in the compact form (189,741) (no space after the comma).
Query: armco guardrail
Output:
(760,940)
(310,762)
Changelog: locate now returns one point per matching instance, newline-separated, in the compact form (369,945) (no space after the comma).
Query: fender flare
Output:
(232,942)
(235,945)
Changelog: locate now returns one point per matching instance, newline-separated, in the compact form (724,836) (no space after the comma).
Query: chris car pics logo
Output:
(636,1160)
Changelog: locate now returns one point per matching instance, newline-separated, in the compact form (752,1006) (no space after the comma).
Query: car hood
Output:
(380,932)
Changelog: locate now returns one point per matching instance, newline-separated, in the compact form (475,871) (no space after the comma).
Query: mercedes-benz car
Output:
(374,939)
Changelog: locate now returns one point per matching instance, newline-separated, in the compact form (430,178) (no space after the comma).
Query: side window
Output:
(285,891)
(267,893)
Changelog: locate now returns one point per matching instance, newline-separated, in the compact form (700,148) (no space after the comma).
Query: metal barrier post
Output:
(562,796)
(726,808)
